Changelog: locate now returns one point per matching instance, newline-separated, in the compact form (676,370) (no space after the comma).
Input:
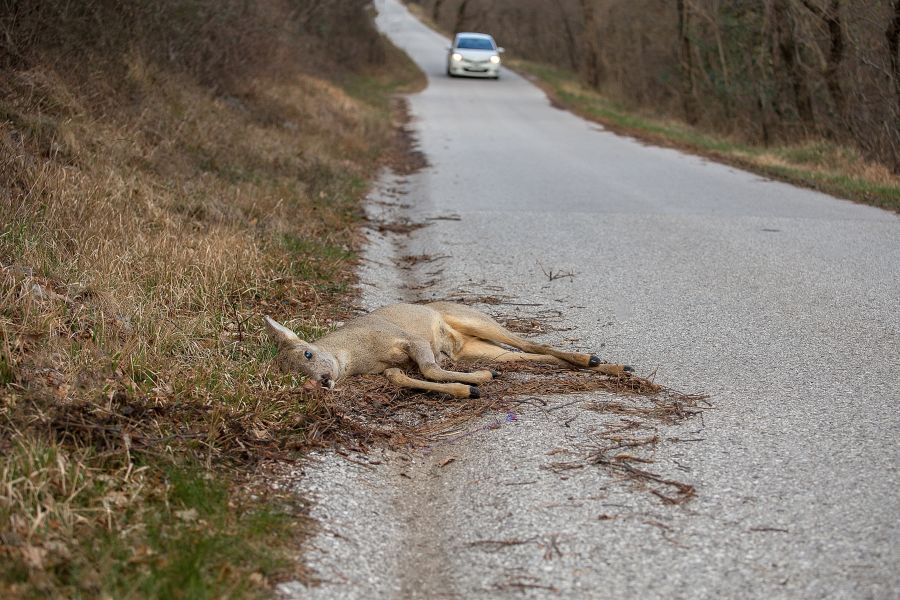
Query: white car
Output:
(474,55)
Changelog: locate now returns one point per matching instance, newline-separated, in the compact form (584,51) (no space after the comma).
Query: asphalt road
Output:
(782,303)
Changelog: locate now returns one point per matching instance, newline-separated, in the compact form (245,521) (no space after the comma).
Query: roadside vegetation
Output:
(802,90)
(170,171)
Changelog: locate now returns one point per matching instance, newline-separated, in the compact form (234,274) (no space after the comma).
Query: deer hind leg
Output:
(479,325)
(422,354)
(457,390)
(475,350)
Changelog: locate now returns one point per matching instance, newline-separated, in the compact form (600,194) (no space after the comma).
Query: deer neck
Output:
(343,359)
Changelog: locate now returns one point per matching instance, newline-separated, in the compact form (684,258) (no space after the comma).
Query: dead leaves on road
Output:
(366,412)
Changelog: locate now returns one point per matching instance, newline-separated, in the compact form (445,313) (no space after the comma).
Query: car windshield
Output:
(473,43)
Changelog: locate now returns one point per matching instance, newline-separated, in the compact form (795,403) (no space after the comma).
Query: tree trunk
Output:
(687,64)
(832,18)
(787,49)
(570,37)
(723,63)
(893,43)
(763,79)
(835,56)
(461,16)
(591,68)
(436,11)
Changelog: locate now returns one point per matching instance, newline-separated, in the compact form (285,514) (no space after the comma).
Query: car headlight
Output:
(495,59)
(456,56)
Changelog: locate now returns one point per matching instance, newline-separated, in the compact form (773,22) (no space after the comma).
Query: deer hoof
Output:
(495,374)
(628,369)
(594,361)
(474,392)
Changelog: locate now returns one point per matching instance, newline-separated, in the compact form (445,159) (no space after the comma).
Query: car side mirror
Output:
(501,49)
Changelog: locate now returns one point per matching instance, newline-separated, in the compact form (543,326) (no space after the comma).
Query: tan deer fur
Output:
(397,336)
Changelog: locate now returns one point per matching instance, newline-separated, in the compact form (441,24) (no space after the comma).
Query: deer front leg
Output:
(457,390)
(423,356)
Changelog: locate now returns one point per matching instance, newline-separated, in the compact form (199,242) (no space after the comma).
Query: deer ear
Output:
(280,334)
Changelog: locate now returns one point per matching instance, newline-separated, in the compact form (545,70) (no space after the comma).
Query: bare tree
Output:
(787,49)
(591,64)
(569,36)
(436,10)
(893,44)
(831,16)
(687,65)
(461,16)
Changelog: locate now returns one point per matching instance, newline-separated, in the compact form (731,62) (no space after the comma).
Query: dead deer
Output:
(399,335)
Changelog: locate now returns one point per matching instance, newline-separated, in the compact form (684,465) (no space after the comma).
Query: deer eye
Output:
(308,355)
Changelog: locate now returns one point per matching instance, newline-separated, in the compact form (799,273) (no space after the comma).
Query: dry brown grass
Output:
(826,160)
(155,199)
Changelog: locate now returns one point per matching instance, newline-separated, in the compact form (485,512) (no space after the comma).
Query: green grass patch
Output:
(321,263)
(305,247)
(185,540)
(203,546)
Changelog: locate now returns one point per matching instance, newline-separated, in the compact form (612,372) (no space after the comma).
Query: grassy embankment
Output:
(818,164)
(169,171)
